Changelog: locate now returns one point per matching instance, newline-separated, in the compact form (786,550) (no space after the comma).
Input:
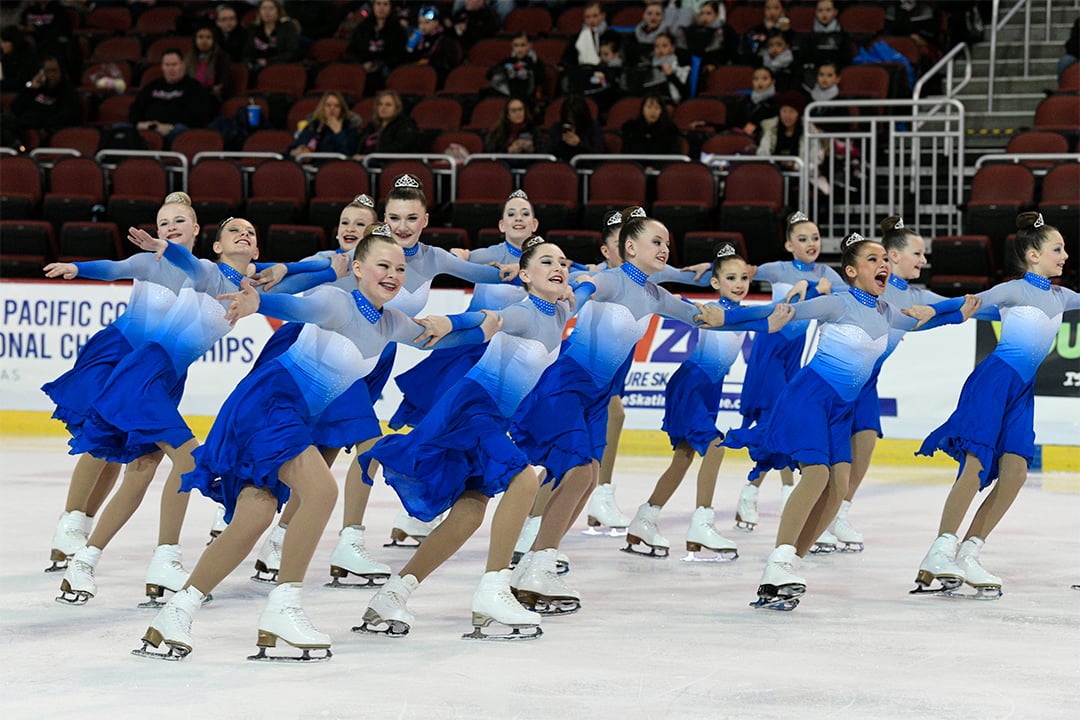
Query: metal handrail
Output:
(9,151)
(506,157)
(178,161)
(948,62)
(1017,158)
(234,155)
(369,161)
(38,152)
(996,25)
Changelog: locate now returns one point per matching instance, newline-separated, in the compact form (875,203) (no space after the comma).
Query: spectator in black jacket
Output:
(233,37)
(576,132)
(652,132)
(273,39)
(377,44)
(391,130)
(19,61)
(49,102)
(436,47)
(473,22)
(172,103)
(522,74)
(748,112)
(827,43)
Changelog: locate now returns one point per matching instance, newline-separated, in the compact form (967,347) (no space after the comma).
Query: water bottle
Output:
(414,39)
(254,114)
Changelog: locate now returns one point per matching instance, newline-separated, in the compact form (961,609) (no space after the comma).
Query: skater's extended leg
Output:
(466,515)
(566,504)
(707,475)
(543,495)
(126,501)
(960,496)
(824,509)
(803,498)
(174,503)
(616,418)
(671,477)
(510,518)
(255,510)
(357,492)
(308,476)
(1012,475)
(85,478)
(862,452)
(105,482)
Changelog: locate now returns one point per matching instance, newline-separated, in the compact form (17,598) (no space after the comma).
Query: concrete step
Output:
(1015,50)
(1011,85)
(982,122)
(1014,32)
(1014,67)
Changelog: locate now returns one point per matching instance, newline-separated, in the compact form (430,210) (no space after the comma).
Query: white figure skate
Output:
(219,524)
(387,608)
(350,557)
(71,534)
(603,512)
(825,544)
(526,539)
(643,530)
(284,619)
(939,564)
(746,514)
(848,539)
(172,626)
(493,602)
(703,536)
(78,584)
(268,561)
(407,528)
(780,587)
(164,573)
(540,588)
(987,586)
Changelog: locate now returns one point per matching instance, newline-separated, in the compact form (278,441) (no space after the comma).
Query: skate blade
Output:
(372,622)
(306,657)
(68,596)
(335,582)
(1076,587)
(58,557)
(981,592)
(782,604)
(545,605)
(924,583)
(721,556)
(657,553)
(394,542)
(154,601)
(514,635)
(744,525)
(176,652)
(610,532)
(822,549)
(850,547)
(261,570)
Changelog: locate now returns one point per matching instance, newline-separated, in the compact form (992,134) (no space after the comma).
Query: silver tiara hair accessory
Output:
(1039,222)
(518,195)
(614,219)
(797,217)
(638,212)
(899,224)
(725,251)
(365,200)
(382,230)
(532,241)
(407,181)
(852,239)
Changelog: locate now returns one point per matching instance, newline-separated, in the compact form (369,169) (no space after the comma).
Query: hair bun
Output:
(177,198)
(893,222)
(1029,220)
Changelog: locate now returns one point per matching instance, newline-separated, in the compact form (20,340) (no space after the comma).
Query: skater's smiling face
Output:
(869,268)
(351,225)
(804,242)
(379,268)
(1049,258)
(176,223)
(731,278)
(907,262)
(407,219)
(646,244)
(545,271)
(518,221)
(237,240)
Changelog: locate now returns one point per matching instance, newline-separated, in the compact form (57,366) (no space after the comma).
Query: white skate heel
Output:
(219,524)
(539,587)
(407,528)
(164,573)
(825,544)
(78,584)
(71,534)
(746,515)
(644,531)
(527,537)
(284,619)
(494,603)
(848,539)
(987,586)
(785,493)
(939,564)
(350,557)
(780,587)
(603,512)
(268,561)
(703,536)
(387,608)
(172,626)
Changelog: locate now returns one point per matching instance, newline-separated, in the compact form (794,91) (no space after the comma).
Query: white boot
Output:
(746,515)
(164,573)
(643,530)
(824,544)
(387,607)
(78,582)
(268,561)
(603,512)
(88,525)
(70,535)
(528,535)
(702,535)
(785,493)
(493,602)
(283,618)
(940,564)
(847,537)
(975,575)
(519,570)
(351,556)
(780,587)
(219,523)
(406,527)
(172,625)
(540,587)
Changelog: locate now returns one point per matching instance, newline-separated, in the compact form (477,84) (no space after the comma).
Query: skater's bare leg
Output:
(357,492)
(824,510)
(466,515)
(862,452)
(566,504)
(1012,474)
(126,500)
(594,472)
(672,477)
(100,493)
(84,478)
(309,478)
(329,455)
(510,518)
(707,474)
(616,418)
(543,495)
(960,496)
(174,503)
(803,498)
(787,476)
(255,510)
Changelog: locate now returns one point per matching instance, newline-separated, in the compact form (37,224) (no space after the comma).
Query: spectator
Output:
(652,24)
(652,132)
(754,39)
(233,37)
(208,63)
(514,132)
(709,37)
(680,14)
(827,43)
(1072,49)
(273,39)
(391,130)
(472,22)
(332,128)
(585,49)
(522,74)
(49,25)
(19,62)
(576,132)
(378,44)
(827,89)
(783,135)
(434,46)
(669,76)
(749,111)
(778,57)
(48,102)
(172,103)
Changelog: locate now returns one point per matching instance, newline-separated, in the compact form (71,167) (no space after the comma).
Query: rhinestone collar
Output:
(1043,283)
(548,308)
(634,273)
(231,274)
(516,252)
(898,282)
(410,251)
(800,265)
(370,313)
(863,297)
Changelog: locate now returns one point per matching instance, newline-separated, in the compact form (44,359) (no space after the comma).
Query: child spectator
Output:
(754,39)
(522,74)
(472,22)
(778,57)
(749,111)
(377,44)
(669,76)
(828,43)
(709,37)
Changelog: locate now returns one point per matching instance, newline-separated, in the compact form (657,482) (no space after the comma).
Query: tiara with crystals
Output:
(614,219)
(381,229)
(852,239)
(365,200)
(532,241)
(407,181)
(518,195)
(225,221)
(638,212)
(899,224)
(797,217)
(1039,222)
(726,250)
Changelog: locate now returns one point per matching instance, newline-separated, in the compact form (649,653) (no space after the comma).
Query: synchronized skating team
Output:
(501,393)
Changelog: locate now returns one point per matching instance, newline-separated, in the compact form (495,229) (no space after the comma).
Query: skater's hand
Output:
(460,252)
(147,242)
(709,315)
(780,316)
(342,265)
(798,291)
(751,271)
(435,328)
(242,303)
(922,313)
(493,322)
(68,271)
(507,272)
(698,270)
(971,306)
(271,276)
(824,287)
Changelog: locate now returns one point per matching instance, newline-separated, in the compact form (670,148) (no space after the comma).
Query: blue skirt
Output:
(77,389)
(691,403)
(995,415)
(461,445)
(423,384)
(867,414)
(137,409)
(279,342)
(263,424)
(774,360)
(562,423)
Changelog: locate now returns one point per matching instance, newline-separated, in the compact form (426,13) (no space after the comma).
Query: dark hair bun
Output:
(893,222)
(1030,219)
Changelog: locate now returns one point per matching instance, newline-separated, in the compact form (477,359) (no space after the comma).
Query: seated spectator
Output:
(680,14)
(652,132)
(233,37)
(332,128)
(783,135)
(754,39)
(669,76)
(827,89)
(472,22)
(749,111)
(827,43)
(522,74)
(172,103)
(273,39)
(709,37)
(780,60)
(584,49)
(514,132)
(434,46)
(652,24)
(50,27)
(208,63)
(19,63)
(377,44)
(391,130)
(576,132)
(48,103)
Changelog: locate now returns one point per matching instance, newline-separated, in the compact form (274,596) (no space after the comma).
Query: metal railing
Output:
(947,64)
(995,25)
(1017,158)
(175,164)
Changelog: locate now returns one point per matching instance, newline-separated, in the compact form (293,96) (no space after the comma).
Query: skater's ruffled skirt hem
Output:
(74,392)
(691,403)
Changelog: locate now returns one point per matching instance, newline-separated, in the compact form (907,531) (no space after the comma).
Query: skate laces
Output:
(299,618)
(361,551)
(84,567)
